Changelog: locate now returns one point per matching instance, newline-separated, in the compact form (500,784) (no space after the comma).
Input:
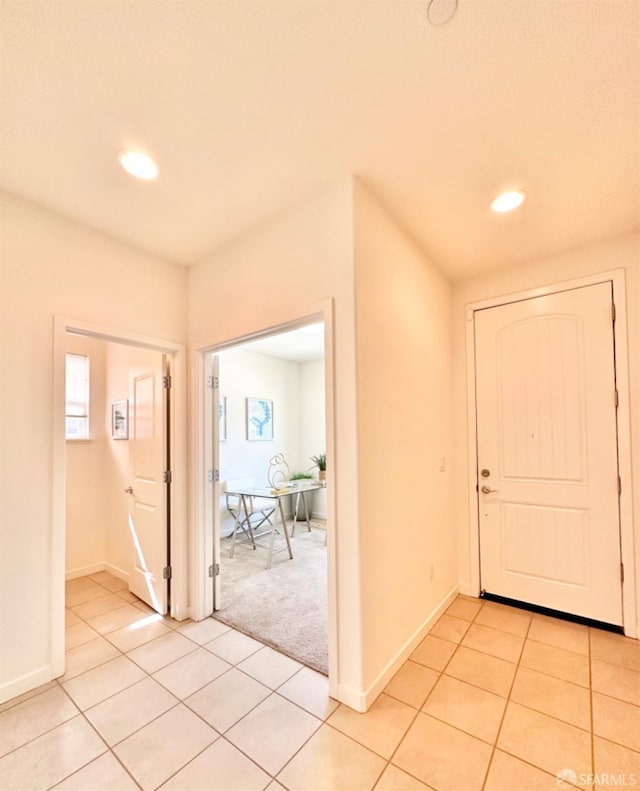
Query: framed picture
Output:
(120,419)
(259,419)
(222,418)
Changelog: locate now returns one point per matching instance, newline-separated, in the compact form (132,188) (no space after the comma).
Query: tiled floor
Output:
(493,698)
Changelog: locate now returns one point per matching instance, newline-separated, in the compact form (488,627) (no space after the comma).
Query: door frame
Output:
(621,356)
(62,325)
(203,446)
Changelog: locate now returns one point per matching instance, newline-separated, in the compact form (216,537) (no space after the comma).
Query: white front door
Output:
(547,452)
(148,499)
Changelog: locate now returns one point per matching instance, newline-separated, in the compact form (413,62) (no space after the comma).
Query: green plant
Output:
(299,476)
(320,461)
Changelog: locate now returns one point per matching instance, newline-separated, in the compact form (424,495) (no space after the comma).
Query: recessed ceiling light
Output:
(508,201)
(138,164)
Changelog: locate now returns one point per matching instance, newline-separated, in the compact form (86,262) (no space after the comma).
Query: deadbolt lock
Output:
(485,473)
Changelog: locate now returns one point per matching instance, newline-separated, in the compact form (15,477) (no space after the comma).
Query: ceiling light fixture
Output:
(138,164)
(508,201)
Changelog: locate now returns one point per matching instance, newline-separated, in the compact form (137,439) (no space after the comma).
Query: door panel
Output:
(148,501)
(545,389)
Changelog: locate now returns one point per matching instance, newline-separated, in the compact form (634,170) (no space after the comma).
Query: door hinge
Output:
(214,570)
(613,311)
(619,485)
(166,476)
(212,382)
(213,476)
(617,398)
(166,382)
(166,573)
(622,572)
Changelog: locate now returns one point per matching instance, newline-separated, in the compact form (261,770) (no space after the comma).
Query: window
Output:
(77,397)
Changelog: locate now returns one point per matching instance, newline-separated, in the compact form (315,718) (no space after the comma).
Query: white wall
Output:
(623,253)
(313,437)
(405,427)
(282,269)
(50,265)
(86,493)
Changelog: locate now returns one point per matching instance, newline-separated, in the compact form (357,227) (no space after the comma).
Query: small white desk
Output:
(246,510)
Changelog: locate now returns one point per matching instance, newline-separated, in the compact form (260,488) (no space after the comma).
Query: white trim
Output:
(27,683)
(361,701)
(203,598)
(630,605)
(83,571)
(61,326)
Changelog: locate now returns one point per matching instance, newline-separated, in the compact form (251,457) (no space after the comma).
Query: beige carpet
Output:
(286,606)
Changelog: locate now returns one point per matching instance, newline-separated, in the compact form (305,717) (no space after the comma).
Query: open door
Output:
(149,490)
(213,432)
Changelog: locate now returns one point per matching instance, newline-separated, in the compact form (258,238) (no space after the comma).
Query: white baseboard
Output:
(83,571)
(361,702)
(25,683)
(466,589)
(117,572)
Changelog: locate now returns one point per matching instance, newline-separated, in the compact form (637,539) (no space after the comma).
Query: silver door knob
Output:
(128,490)
(487,489)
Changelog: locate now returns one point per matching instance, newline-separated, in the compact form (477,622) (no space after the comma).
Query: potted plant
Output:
(320,462)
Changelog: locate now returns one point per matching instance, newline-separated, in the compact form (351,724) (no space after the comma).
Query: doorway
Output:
(547,452)
(117,407)
(211,489)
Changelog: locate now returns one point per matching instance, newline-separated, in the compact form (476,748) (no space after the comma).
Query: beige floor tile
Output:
(468,708)
(161,652)
(432,751)
(492,641)
(153,754)
(101,682)
(615,681)
(139,633)
(114,584)
(203,631)
(611,761)
(78,634)
(273,732)
(331,760)
(464,608)
(270,667)
(102,576)
(553,696)
(233,646)
(562,634)
(84,593)
(77,584)
(380,729)
(51,757)
(556,662)
(70,618)
(116,619)
(412,683)
(310,690)
(274,785)
(91,609)
(433,652)
(394,779)
(450,628)
(191,672)
(227,699)
(35,716)
(230,768)
(615,649)
(616,721)
(122,714)
(545,742)
(87,656)
(103,774)
(484,671)
(127,596)
(511,774)
(507,619)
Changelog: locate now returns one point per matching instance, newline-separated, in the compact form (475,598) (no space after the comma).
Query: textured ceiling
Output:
(250,106)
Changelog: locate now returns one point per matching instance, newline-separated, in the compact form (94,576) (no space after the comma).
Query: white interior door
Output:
(547,452)
(215,434)
(149,492)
